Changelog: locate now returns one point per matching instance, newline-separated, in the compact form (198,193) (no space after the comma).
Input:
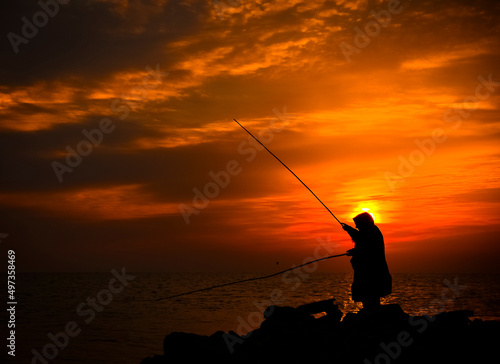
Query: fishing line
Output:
(274,274)
(279,160)
(248,279)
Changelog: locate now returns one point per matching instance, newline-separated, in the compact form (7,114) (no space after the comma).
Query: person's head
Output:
(364,220)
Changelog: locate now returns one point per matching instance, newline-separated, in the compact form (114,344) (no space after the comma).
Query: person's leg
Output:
(372,302)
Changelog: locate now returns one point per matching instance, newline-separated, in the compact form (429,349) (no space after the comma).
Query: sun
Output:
(366,209)
(372,207)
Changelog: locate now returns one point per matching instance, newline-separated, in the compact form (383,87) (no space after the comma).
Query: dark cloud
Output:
(93,39)
(26,157)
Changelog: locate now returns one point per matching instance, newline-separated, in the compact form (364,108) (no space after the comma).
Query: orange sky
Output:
(384,105)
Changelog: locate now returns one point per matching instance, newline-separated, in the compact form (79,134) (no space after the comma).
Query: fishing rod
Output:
(279,160)
(274,274)
(248,279)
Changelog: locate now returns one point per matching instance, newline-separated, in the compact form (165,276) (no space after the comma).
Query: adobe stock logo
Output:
(83,148)
(425,148)
(89,309)
(220,180)
(30,28)
(95,136)
(372,29)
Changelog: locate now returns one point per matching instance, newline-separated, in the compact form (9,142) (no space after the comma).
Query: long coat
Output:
(371,273)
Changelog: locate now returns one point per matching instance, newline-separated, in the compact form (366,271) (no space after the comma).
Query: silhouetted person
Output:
(372,279)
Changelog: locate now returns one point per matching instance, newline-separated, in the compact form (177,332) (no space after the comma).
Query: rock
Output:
(383,335)
(326,306)
(190,347)
(454,318)
(302,314)
(284,317)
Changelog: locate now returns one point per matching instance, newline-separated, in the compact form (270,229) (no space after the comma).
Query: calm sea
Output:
(130,325)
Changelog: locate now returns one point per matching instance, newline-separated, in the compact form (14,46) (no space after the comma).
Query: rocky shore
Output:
(380,336)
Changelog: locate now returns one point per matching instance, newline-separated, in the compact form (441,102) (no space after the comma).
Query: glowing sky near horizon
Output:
(406,125)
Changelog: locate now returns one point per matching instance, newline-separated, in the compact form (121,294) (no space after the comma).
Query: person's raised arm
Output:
(353,233)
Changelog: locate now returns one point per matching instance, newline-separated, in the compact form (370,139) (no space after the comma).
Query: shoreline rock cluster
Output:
(380,336)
